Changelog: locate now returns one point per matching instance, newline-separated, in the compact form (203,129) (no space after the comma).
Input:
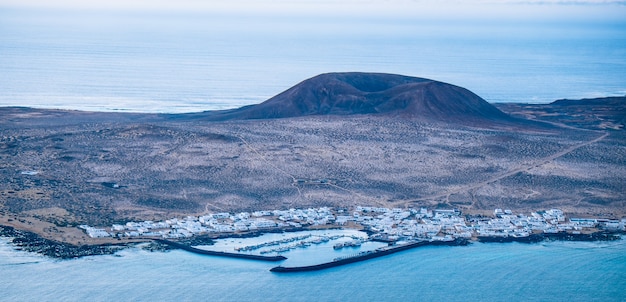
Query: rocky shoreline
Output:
(31,242)
(597,236)
(562,236)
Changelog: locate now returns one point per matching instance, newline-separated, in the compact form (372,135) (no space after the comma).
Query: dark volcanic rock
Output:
(32,242)
(372,93)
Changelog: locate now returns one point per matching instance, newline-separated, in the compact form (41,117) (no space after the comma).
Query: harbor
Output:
(218,253)
(304,247)
(366,255)
(315,239)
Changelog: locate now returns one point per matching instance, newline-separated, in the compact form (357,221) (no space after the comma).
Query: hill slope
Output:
(607,113)
(371,93)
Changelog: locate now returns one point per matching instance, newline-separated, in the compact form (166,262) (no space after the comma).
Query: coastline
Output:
(32,242)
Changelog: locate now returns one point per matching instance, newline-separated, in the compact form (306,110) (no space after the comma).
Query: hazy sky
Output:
(540,9)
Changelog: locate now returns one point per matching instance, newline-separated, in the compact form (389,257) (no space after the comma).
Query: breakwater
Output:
(222,254)
(366,255)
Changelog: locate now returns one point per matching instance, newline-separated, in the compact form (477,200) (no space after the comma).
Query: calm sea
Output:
(182,62)
(185,62)
(553,271)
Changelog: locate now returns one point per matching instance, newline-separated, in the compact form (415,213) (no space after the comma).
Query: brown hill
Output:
(371,93)
(608,113)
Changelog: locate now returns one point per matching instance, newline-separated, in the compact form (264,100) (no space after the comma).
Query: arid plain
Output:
(64,168)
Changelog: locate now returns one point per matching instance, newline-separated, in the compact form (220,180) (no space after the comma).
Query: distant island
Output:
(337,140)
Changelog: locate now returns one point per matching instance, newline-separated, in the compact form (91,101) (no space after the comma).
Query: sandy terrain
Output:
(61,169)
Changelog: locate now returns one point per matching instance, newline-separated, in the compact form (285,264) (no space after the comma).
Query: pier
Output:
(362,256)
(222,254)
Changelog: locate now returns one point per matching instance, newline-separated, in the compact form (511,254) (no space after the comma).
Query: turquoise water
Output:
(553,271)
(182,62)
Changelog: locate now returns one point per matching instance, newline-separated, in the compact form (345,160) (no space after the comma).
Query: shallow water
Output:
(561,271)
(187,62)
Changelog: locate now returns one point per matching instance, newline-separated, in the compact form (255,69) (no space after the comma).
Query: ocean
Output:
(186,61)
(190,62)
(549,271)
